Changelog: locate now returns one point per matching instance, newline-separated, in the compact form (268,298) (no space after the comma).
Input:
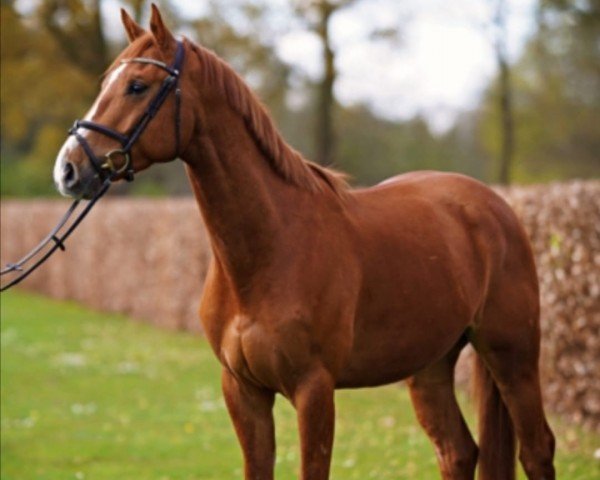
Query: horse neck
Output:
(242,200)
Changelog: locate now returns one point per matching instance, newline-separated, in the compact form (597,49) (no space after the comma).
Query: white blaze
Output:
(109,81)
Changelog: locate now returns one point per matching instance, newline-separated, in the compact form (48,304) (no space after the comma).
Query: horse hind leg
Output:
(434,401)
(508,340)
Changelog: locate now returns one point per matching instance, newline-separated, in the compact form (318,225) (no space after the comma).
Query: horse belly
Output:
(394,355)
(403,324)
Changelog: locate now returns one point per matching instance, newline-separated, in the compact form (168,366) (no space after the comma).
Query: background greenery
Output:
(53,52)
(94,396)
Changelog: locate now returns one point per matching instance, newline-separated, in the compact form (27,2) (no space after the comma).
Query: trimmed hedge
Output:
(148,258)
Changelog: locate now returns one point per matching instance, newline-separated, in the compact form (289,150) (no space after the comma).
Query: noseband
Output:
(106,167)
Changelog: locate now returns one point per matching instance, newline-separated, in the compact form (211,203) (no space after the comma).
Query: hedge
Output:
(147,259)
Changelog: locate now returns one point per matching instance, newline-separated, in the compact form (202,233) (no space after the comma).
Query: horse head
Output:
(138,118)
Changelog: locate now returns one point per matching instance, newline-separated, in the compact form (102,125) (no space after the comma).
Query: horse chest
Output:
(244,351)
(269,354)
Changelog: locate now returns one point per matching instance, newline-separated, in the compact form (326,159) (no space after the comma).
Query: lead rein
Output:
(53,236)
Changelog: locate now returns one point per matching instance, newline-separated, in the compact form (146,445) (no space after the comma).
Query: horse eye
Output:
(136,88)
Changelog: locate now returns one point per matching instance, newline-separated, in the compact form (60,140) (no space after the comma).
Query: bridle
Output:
(105,167)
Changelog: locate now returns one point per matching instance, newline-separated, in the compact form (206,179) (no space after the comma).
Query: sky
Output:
(438,67)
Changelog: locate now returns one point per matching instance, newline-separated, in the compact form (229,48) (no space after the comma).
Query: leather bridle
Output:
(106,167)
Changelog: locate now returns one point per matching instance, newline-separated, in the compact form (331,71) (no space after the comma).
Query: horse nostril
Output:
(70,176)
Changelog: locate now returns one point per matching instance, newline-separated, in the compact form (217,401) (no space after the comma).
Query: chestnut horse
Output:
(314,286)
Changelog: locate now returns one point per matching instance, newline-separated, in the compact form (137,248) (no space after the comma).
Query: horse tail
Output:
(497,449)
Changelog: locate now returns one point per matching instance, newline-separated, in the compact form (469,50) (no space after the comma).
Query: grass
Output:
(94,396)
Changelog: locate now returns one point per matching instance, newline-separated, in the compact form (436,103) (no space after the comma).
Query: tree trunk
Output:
(82,41)
(507,129)
(138,9)
(325,137)
(507,124)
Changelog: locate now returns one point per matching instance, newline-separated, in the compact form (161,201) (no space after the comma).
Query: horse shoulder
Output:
(218,305)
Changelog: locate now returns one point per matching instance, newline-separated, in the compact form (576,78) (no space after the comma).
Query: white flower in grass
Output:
(71,359)
(127,368)
(79,409)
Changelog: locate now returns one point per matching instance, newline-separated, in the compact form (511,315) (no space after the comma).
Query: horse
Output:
(314,286)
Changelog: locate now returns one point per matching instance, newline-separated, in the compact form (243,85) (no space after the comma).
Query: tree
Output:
(35,114)
(556,93)
(317,16)
(77,27)
(249,50)
(505,91)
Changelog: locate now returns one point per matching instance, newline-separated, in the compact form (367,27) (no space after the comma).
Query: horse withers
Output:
(314,286)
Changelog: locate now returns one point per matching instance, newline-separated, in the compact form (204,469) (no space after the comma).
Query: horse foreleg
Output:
(251,410)
(314,402)
(432,393)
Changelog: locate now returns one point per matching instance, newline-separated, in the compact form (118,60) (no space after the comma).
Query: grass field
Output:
(94,396)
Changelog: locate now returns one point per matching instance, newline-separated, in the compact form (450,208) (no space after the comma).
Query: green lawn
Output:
(93,396)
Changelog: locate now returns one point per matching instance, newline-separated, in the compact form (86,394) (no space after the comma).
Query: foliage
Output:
(248,50)
(87,395)
(53,52)
(557,96)
(36,81)
(374,149)
(71,21)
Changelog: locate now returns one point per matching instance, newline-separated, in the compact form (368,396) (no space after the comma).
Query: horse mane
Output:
(287,162)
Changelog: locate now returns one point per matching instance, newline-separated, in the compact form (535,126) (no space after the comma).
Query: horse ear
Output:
(133,29)
(163,36)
